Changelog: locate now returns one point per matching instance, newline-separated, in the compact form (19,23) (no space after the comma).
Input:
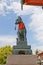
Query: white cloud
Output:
(2,4)
(37,24)
(7,40)
(16,8)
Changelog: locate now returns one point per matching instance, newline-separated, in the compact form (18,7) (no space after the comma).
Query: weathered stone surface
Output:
(22,46)
(22,51)
(22,60)
(23,42)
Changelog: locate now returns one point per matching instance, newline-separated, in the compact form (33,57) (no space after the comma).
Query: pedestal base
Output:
(22,51)
(22,48)
(22,60)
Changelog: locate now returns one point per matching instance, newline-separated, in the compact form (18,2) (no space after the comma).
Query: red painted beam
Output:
(33,2)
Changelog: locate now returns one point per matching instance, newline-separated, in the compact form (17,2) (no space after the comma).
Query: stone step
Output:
(22,51)
(22,47)
(22,60)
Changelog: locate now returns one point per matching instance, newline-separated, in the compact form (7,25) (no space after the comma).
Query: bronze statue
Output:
(21,29)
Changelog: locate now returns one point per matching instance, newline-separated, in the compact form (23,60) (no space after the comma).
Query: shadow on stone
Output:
(22,52)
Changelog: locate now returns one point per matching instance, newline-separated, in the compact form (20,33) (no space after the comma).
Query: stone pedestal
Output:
(22,53)
(22,47)
(22,60)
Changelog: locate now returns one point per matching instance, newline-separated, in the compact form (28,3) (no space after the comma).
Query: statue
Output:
(21,41)
(21,29)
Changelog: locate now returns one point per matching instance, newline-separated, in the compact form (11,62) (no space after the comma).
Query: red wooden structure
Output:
(33,2)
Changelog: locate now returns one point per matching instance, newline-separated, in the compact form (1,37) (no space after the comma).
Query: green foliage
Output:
(36,52)
(4,52)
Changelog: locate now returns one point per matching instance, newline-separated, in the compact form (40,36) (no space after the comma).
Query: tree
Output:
(4,52)
(36,52)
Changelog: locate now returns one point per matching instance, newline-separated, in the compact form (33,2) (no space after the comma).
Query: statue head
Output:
(18,20)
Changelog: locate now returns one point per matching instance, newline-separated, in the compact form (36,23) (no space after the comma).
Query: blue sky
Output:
(32,17)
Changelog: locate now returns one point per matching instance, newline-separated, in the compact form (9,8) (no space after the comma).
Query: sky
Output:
(32,17)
